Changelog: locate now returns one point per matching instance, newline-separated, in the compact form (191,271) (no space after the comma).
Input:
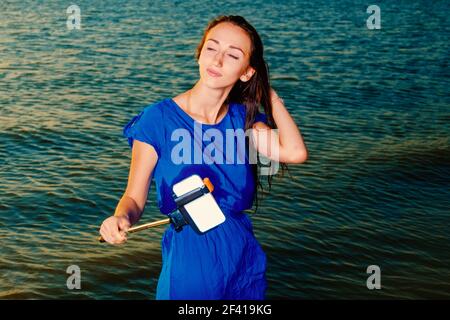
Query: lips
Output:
(213,73)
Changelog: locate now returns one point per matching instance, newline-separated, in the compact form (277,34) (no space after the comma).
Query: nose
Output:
(218,57)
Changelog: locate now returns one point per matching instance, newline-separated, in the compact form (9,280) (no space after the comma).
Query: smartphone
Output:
(204,212)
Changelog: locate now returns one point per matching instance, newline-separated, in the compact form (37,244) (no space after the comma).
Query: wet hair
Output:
(253,93)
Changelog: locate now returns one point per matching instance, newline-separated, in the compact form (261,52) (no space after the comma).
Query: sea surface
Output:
(372,105)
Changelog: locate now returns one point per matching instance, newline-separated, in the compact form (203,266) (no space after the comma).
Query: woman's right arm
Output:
(132,204)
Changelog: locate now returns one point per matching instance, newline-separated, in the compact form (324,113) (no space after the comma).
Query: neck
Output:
(207,103)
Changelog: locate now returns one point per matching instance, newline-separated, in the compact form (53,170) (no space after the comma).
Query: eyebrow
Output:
(233,47)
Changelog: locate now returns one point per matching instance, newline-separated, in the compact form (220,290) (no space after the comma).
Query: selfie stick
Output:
(207,183)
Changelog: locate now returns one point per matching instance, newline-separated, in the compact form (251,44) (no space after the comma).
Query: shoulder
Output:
(151,115)
(157,106)
(155,110)
(148,126)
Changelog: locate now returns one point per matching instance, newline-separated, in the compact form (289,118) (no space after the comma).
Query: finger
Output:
(116,237)
(124,224)
(124,237)
(111,232)
(119,235)
(120,239)
(106,236)
(107,231)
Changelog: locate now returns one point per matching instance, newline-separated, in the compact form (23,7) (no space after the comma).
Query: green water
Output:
(372,105)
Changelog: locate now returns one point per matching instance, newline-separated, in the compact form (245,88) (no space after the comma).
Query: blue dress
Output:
(227,262)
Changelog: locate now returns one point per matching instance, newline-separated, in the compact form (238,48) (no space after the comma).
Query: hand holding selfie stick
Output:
(143,227)
(176,217)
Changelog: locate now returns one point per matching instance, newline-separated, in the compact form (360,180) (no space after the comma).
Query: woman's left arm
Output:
(284,144)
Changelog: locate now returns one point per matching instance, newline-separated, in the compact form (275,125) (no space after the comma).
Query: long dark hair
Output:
(253,93)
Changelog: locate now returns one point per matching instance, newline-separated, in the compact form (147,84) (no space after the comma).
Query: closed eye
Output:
(234,57)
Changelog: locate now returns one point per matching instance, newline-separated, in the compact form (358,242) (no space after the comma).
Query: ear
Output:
(248,74)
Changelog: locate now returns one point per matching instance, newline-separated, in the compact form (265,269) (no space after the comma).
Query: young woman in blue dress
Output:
(227,262)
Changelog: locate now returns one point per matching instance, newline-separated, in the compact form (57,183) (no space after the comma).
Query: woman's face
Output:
(225,56)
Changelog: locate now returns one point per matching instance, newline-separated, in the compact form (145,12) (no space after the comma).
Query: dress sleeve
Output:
(148,127)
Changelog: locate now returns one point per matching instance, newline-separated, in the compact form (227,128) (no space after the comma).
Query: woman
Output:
(226,262)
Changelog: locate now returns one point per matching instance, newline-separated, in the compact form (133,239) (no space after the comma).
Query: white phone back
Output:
(204,211)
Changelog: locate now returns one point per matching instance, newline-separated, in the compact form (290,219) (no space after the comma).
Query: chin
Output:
(214,83)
